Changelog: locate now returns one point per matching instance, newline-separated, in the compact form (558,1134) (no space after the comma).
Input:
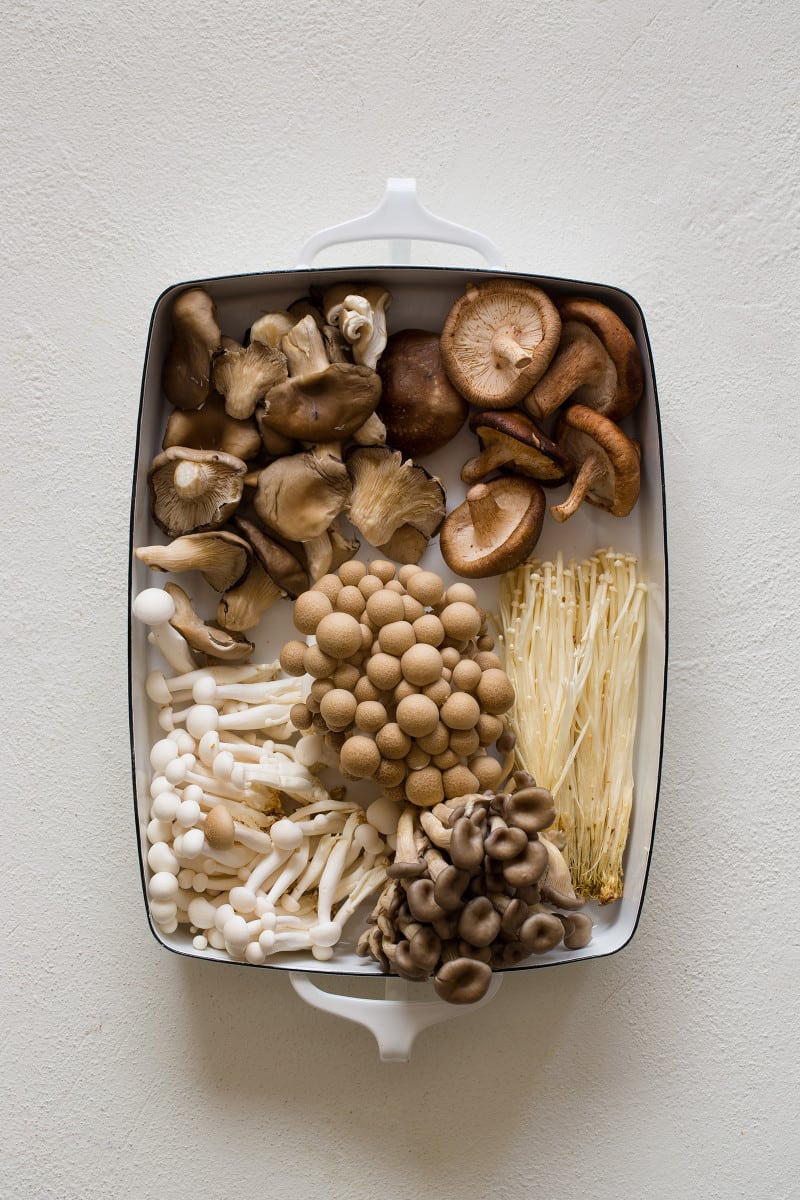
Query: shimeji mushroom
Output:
(498,340)
(390,494)
(186,377)
(245,374)
(156,608)
(215,643)
(222,558)
(597,364)
(510,441)
(210,428)
(495,528)
(360,314)
(607,469)
(194,491)
(321,402)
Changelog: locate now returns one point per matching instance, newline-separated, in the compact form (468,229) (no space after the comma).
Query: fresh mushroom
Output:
(495,528)
(194,491)
(321,402)
(242,606)
(607,469)
(244,375)
(285,570)
(360,314)
(156,608)
(215,643)
(299,498)
(210,428)
(389,493)
(463,980)
(271,327)
(222,558)
(511,441)
(186,377)
(498,340)
(421,408)
(597,364)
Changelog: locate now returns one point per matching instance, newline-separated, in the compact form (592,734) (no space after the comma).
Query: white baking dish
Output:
(421,297)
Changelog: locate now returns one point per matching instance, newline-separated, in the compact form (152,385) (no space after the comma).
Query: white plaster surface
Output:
(651,146)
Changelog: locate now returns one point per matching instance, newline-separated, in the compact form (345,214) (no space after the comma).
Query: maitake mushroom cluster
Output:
(468,891)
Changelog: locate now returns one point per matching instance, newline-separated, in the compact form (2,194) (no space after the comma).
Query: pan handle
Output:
(400,219)
(394,1020)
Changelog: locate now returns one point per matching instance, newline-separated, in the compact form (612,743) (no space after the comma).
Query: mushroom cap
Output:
(299,496)
(360,314)
(211,428)
(219,644)
(390,492)
(419,405)
(280,564)
(194,490)
(186,377)
(463,980)
(244,374)
(495,528)
(585,434)
(518,445)
(622,350)
(498,340)
(325,406)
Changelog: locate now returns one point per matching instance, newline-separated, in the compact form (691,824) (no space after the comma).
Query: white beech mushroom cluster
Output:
(406,686)
(468,891)
(246,846)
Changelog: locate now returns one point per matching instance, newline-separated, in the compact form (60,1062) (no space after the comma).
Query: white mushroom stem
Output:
(157,684)
(155,607)
(209,691)
(191,479)
(507,350)
(438,834)
(276,943)
(313,871)
(244,898)
(211,745)
(368,883)
(294,867)
(327,932)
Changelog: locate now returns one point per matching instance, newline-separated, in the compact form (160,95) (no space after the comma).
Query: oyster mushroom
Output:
(607,469)
(390,493)
(320,402)
(242,606)
(597,364)
(360,314)
(495,529)
(186,377)
(222,558)
(280,564)
(211,428)
(271,327)
(511,441)
(194,490)
(244,374)
(214,643)
(299,497)
(421,408)
(498,340)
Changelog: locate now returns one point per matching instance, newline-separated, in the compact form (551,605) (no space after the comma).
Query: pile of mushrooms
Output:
(468,892)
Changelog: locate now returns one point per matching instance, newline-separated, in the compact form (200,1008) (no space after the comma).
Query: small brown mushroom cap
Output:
(186,377)
(463,980)
(390,492)
(210,428)
(244,375)
(510,441)
(419,405)
(194,490)
(577,930)
(541,932)
(498,340)
(495,528)
(219,644)
(597,363)
(607,468)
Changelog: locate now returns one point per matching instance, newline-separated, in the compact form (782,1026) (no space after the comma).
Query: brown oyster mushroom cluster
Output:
(407,688)
(468,889)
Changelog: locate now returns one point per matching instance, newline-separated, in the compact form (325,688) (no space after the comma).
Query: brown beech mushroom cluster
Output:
(468,888)
(407,688)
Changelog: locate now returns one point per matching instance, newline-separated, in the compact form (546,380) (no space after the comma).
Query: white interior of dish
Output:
(421,298)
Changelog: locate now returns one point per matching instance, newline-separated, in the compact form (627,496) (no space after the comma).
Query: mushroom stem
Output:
(494,456)
(592,469)
(304,348)
(507,350)
(484,512)
(576,363)
(191,479)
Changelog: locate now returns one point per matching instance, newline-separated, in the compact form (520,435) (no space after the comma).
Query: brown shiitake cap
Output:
(597,363)
(606,463)
(194,490)
(463,980)
(498,340)
(390,492)
(495,528)
(186,377)
(280,564)
(299,496)
(210,428)
(222,558)
(243,375)
(512,442)
(216,643)
(420,407)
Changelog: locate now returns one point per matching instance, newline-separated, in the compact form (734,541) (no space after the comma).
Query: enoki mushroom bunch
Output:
(468,890)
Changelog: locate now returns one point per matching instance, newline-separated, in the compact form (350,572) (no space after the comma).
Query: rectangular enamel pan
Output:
(421,297)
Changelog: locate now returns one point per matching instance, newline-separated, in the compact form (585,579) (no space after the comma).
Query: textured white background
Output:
(651,146)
